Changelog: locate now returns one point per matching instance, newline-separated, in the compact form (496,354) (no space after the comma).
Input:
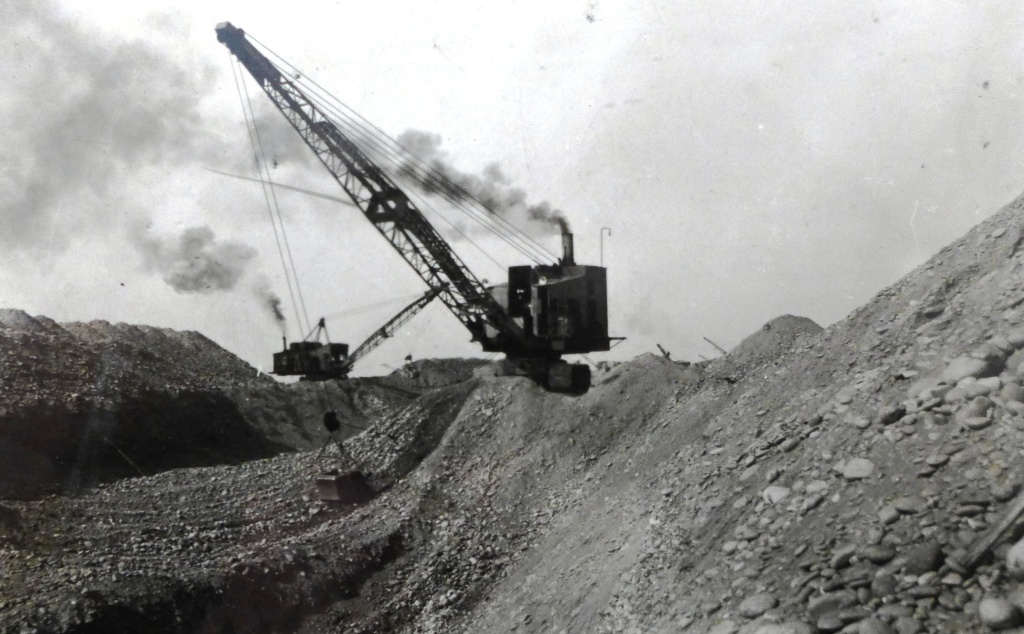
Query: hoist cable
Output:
(438,216)
(360,309)
(368,132)
(454,228)
(250,119)
(391,156)
(279,185)
(270,212)
(273,195)
(405,163)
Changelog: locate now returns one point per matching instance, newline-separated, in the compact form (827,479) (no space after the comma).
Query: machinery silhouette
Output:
(541,313)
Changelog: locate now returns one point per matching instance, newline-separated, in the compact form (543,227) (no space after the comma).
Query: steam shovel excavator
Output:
(541,313)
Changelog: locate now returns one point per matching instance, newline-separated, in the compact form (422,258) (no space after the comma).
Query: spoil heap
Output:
(86,402)
(806,482)
(426,374)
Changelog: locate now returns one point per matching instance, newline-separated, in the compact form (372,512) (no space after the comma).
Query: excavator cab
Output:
(312,360)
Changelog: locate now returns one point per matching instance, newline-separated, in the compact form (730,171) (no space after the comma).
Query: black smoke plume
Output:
(274,303)
(269,299)
(434,174)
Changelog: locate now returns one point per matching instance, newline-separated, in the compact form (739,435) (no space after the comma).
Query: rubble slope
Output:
(808,481)
(819,487)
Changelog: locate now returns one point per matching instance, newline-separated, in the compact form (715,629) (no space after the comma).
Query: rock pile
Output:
(810,481)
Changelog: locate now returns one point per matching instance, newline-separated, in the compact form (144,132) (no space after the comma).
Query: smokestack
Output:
(284,342)
(567,256)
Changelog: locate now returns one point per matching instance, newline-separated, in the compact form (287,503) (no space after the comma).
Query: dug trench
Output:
(269,596)
(244,548)
(49,449)
(92,402)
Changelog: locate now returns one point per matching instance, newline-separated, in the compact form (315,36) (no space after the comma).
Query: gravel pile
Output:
(425,374)
(810,481)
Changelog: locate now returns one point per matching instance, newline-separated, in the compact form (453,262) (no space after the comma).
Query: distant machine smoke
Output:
(274,303)
(269,300)
(196,262)
(491,187)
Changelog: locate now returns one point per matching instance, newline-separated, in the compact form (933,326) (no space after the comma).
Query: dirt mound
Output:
(828,493)
(161,354)
(425,374)
(778,336)
(87,402)
(769,346)
(13,319)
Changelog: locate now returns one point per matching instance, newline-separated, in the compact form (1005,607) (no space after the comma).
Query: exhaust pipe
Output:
(567,255)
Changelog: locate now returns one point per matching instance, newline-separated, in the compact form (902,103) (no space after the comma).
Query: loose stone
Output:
(757,604)
(922,558)
(857,469)
(874,626)
(878,553)
(1015,560)
(888,514)
(998,613)
(908,625)
(910,504)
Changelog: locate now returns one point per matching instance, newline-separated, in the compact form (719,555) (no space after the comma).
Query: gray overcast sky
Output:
(751,159)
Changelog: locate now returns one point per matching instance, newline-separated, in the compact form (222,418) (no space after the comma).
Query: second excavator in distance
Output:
(541,313)
(314,360)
